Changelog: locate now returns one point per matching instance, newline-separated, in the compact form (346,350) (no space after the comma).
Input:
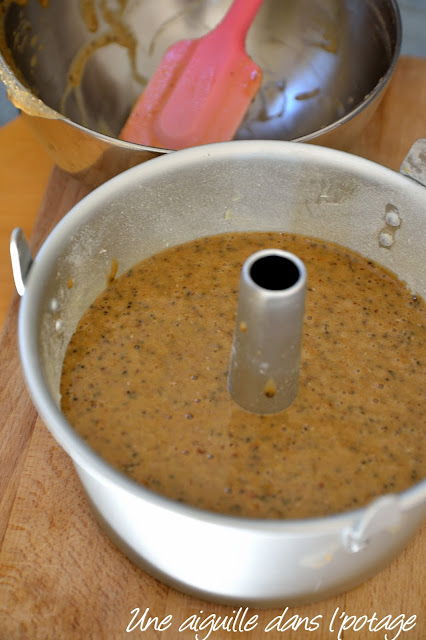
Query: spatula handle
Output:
(238,20)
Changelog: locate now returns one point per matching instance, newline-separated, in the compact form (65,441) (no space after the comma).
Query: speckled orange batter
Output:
(145,383)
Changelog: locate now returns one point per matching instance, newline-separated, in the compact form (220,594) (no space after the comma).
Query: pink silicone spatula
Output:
(202,88)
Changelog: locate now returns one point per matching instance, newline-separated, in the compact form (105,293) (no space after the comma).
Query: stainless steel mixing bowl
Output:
(234,186)
(76,68)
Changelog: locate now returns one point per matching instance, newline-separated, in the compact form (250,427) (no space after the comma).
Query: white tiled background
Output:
(413,13)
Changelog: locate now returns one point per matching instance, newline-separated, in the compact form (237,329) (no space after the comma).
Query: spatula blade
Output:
(199,94)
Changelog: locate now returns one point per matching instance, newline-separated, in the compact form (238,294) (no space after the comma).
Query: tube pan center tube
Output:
(266,349)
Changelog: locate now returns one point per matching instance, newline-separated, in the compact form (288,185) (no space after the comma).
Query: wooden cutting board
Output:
(61,577)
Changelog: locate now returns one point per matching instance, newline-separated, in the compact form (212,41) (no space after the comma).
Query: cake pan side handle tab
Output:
(414,164)
(384,514)
(21,259)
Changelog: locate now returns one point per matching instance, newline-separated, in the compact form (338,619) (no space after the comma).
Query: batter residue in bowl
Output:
(145,383)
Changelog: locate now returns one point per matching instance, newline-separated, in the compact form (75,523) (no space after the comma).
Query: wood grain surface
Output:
(24,172)
(60,576)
